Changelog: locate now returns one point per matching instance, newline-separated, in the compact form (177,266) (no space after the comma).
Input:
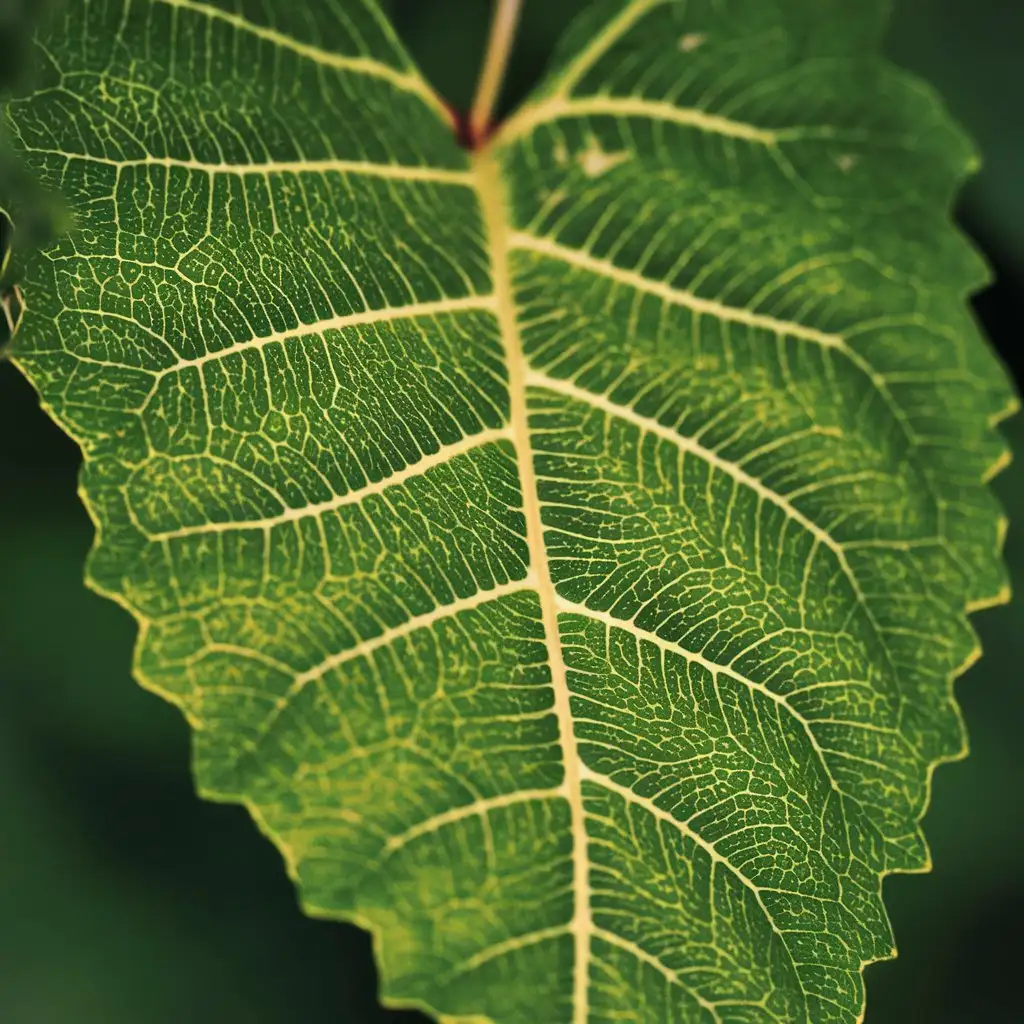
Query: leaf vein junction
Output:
(367,647)
(611,622)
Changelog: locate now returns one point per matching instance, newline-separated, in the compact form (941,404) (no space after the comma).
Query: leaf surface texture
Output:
(563,551)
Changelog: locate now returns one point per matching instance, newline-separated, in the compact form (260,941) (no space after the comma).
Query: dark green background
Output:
(126,900)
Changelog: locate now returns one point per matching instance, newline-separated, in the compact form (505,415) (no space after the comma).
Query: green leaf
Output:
(563,551)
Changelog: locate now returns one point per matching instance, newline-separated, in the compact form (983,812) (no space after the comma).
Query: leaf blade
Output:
(502,527)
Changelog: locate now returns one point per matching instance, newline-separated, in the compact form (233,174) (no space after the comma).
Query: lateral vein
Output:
(649,425)
(637,951)
(634,106)
(364,317)
(610,622)
(397,172)
(646,423)
(667,293)
(404,80)
(616,28)
(291,515)
(366,648)
(481,808)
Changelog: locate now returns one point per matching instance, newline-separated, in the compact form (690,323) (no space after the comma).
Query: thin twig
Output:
(499,46)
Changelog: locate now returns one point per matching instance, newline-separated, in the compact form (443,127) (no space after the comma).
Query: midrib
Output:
(493,204)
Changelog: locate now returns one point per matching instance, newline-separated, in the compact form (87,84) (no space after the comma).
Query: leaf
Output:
(563,551)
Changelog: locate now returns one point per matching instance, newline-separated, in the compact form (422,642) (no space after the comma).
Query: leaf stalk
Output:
(492,74)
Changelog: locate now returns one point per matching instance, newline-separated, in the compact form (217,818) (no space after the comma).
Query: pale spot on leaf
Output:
(847,162)
(594,161)
(691,41)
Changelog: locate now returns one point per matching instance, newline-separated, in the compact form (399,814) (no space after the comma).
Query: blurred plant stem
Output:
(492,74)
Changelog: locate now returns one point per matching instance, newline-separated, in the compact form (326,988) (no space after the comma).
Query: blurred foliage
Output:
(126,900)
(16,20)
(39,217)
(973,54)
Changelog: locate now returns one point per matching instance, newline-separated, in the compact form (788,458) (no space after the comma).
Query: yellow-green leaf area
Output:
(564,550)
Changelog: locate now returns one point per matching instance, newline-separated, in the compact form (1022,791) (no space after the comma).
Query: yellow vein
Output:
(362,318)
(481,808)
(367,647)
(630,796)
(407,81)
(398,172)
(667,293)
(633,106)
(292,515)
(602,42)
(499,949)
(493,203)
